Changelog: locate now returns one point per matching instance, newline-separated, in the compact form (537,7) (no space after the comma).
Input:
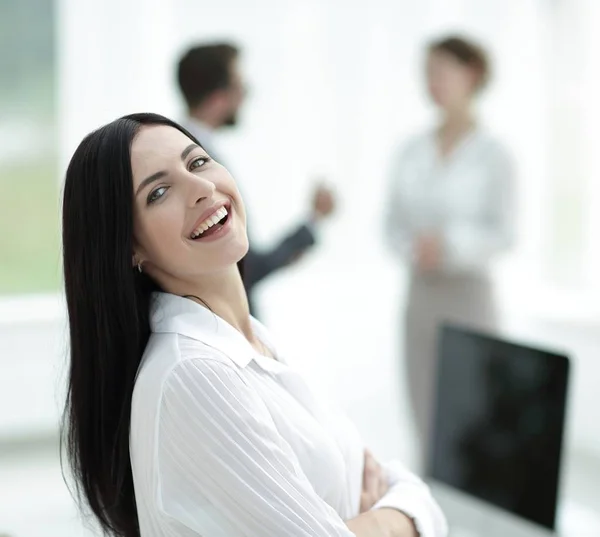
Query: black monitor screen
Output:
(498,423)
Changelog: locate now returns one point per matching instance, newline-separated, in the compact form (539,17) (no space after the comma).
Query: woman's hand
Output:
(375,484)
(428,253)
(383,523)
(379,522)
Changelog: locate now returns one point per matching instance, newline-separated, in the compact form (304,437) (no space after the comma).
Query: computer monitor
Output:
(498,422)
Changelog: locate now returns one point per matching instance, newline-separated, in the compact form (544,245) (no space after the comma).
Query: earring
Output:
(139,267)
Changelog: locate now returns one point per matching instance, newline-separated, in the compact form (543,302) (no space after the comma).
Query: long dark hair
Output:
(108,305)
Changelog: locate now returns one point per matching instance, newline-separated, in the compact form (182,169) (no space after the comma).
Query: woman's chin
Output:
(234,253)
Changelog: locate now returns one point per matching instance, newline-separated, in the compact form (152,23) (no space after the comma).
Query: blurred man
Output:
(212,86)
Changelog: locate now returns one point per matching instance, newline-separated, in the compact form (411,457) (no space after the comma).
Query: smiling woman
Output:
(182,420)
(176,193)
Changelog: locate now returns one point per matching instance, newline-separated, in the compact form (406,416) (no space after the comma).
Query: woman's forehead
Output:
(155,147)
(158,139)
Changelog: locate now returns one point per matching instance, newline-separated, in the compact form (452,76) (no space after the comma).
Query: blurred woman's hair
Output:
(108,303)
(467,53)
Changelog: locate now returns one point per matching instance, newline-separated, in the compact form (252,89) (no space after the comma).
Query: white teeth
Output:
(210,222)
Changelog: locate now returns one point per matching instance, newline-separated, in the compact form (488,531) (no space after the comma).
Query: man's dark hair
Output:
(205,69)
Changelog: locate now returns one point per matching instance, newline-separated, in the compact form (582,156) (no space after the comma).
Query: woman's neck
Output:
(226,296)
(223,292)
(455,125)
(457,121)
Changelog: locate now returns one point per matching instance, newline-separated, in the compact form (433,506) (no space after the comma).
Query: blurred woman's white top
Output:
(467,199)
(225,442)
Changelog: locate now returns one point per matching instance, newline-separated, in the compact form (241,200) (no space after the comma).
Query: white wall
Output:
(32,366)
(113,59)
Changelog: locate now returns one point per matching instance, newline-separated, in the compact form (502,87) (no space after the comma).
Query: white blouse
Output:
(467,199)
(225,442)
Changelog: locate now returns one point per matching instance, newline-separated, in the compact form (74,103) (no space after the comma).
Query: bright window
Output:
(29,217)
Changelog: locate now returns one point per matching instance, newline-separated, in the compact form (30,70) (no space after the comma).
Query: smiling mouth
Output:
(211,225)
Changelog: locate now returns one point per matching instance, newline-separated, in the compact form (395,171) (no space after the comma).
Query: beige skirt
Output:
(432,300)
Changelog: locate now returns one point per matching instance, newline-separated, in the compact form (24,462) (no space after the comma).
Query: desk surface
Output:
(470,517)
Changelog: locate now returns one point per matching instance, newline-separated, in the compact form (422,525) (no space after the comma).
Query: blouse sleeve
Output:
(410,495)
(224,468)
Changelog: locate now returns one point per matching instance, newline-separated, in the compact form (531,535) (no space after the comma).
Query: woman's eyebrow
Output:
(158,175)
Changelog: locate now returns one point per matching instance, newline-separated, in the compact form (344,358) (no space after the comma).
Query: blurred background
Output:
(334,87)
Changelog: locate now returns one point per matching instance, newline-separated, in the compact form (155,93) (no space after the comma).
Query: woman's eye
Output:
(198,163)
(157,194)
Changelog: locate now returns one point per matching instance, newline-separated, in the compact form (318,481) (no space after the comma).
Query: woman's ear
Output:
(136,262)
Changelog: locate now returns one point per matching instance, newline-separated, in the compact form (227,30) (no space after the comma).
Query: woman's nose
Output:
(200,189)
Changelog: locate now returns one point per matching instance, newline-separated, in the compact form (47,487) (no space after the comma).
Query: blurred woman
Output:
(183,419)
(450,213)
